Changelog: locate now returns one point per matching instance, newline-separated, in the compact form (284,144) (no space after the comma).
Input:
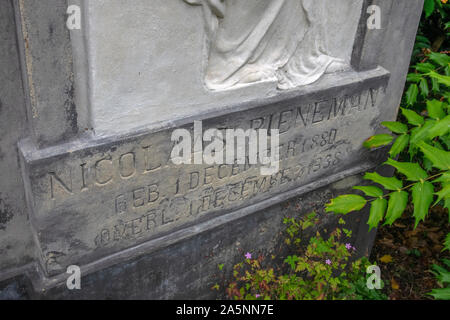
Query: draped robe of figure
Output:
(265,40)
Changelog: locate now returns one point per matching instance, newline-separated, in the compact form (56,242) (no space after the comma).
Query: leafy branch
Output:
(421,140)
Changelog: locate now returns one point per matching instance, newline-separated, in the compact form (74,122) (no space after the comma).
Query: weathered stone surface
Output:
(188,269)
(148,60)
(16,243)
(47,66)
(91,200)
(110,199)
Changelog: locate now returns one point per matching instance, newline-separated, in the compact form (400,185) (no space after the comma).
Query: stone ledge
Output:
(91,199)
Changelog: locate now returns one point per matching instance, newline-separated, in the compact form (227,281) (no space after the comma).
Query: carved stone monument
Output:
(92,92)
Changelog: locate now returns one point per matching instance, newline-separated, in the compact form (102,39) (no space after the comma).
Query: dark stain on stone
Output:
(71,111)
(14,289)
(5,213)
(50,30)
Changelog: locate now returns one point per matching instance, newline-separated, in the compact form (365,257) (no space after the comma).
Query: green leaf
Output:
(441,294)
(292,261)
(444,178)
(447,206)
(397,205)
(446,261)
(399,145)
(447,242)
(370,191)
(377,141)
(440,58)
(424,67)
(412,93)
(412,117)
(443,194)
(389,183)
(446,95)
(435,85)
(423,132)
(443,276)
(377,210)
(422,197)
(395,126)
(438,145)
(413,148)
(424,89)
(445,80)
(412,171)
(427,164)
(440,128)
(415,77)
(445,139)
(439,158)
(435,109)
(428,7)
(346,203)
(423,39)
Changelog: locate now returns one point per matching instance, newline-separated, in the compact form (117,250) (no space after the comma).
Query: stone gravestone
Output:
(93,91)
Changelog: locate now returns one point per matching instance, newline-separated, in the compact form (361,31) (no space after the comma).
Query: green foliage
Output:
(433,29)
(322,270)
(429,7)
(396,206)
(345,204)
(377,210)
(412,171)
(422,196)
(419,153)
(443,278)
(370,191)
(419,139)
(447,242)
(378,141)
(400,144)
(389,183)
(396,127)
(423,139)
(412,117)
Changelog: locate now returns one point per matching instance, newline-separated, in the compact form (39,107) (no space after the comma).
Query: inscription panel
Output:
(94,199)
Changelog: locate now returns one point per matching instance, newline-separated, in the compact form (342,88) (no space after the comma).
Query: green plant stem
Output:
(408,186)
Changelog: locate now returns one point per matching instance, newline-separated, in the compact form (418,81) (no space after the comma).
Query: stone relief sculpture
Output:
(251,41)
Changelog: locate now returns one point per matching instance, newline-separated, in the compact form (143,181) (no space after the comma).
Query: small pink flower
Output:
(257,296)
(248,255)
(348,246)
(328,261)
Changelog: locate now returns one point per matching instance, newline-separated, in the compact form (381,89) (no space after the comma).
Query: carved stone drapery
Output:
(266,40)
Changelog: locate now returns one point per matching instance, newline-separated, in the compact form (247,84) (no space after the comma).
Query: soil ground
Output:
(406,255)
